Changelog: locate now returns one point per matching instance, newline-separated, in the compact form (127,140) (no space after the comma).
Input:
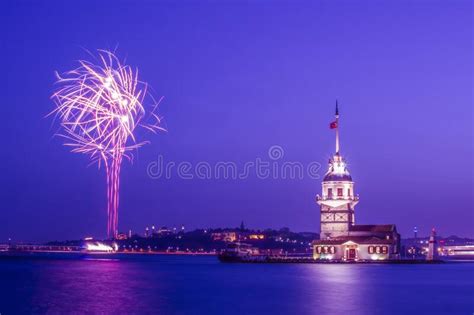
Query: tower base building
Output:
(340,237)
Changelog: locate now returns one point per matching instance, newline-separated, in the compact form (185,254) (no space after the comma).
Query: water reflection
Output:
(97,286)
(339,288)
(202,285)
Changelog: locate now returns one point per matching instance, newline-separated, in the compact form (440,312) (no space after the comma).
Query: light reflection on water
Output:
(339,287)
(97,286)
(202,285)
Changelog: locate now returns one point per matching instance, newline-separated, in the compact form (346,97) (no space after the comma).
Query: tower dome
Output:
(337,170)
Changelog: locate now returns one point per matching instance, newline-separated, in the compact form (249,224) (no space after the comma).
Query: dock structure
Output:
(39,248)
(311,260)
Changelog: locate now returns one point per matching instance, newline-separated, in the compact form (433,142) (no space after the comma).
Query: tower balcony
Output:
(337,201)
(326,198)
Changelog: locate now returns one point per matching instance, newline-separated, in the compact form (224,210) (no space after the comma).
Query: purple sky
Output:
(239,77)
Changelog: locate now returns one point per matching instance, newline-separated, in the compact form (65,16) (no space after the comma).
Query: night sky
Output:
(237,78)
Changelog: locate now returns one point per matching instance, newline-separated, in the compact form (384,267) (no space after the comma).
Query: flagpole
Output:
(337,129)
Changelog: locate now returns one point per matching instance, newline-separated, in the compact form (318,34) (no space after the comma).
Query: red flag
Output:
(333,125)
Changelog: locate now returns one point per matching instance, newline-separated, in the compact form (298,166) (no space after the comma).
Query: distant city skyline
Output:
(239,79)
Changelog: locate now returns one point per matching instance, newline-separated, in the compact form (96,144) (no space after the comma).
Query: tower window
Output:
(371,249)
(349,192)
(330,192)
(339,192)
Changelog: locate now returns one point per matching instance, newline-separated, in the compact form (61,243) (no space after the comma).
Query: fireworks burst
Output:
(99,105)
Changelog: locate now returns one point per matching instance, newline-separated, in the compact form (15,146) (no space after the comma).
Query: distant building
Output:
(224,236)
(121,236)
(256,236)
(341,238)
(457,251)
(162,231)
